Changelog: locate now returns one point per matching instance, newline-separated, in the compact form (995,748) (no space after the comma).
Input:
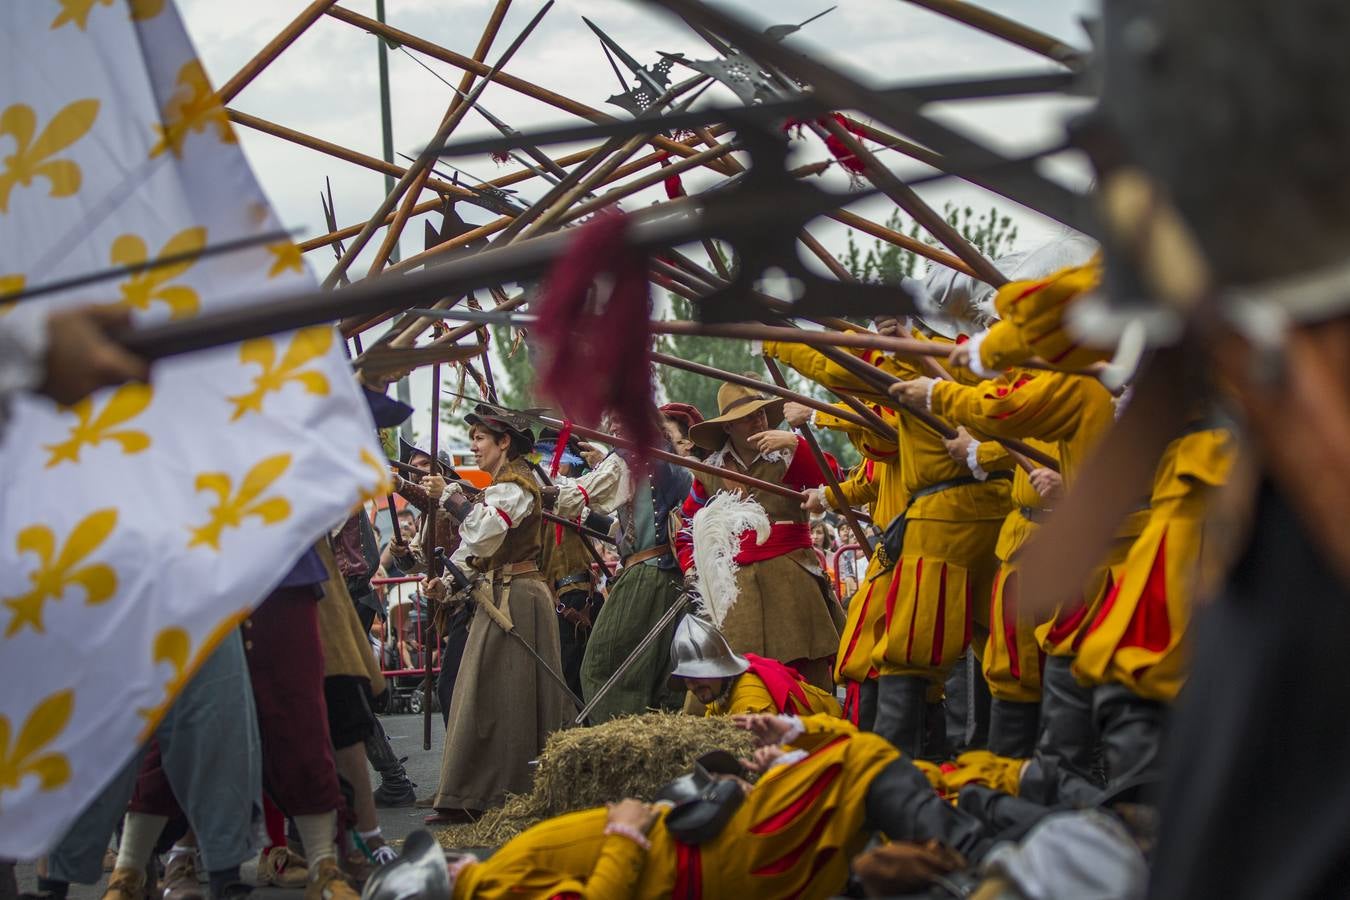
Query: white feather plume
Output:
(717,530)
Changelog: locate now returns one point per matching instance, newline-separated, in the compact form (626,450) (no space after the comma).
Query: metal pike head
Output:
(737,72)
(639,98)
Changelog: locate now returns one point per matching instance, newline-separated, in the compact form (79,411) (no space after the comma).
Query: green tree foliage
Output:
(992,233)
(513,368)
(729,356)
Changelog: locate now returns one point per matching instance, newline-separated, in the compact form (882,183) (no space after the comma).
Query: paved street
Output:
(405,733)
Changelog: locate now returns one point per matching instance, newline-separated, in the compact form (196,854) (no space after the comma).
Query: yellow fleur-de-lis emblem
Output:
(143,288)
(235,506)
(383,484)
(32,158)
(285,257)
(308,345)
(91,429)
(58,571)
(25,757)
(9,284)
(78,11)
(194,106)
(173,646)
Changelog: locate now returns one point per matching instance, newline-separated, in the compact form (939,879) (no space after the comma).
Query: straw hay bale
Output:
(632,756)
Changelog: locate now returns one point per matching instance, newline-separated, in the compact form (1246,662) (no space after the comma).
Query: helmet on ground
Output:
(698,650)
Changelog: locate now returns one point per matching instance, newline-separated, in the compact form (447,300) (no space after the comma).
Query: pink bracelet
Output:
(629,832)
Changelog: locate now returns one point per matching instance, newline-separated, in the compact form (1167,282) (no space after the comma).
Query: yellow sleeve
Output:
(992,455)
(818,730)
(1036,311)
(1047,407)
(868,442)
(1002,347)
(811,363)
(858,489)
(821,702)
(617,869)
(749,696)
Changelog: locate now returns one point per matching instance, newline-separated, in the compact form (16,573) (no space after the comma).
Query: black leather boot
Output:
(936,747)
(1005,817)
(956,709)
(1067,734)
(867,705)
(901,711)
(1131,730)
(902,804)
(1013,728)
(395,789)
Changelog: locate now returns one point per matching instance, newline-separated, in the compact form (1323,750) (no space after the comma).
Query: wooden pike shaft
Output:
(904,241)
(928,364)
(1005,28)
(405,208)
(597,171)
(425,158)
(337,151)
(861,410)
(904,196)
(433,560)
(520,85)
(778,390)
(689,463)
(881,381)
(264,57)
(507,180)
(646,181)
(895,142)
(1022,454)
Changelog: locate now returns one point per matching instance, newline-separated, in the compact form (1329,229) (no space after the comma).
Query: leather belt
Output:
(575,578)
(893,539)
(529,567)
(633,559)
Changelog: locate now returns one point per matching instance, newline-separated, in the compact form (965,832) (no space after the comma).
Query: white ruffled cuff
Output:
(928,397)
(787,759)
(795,729)
(976,364)
(973,461)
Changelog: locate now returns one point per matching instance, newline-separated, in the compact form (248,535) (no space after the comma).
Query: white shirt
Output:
(604,489)
(500,508)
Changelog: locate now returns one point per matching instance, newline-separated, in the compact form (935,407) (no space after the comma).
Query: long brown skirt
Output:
(504,705)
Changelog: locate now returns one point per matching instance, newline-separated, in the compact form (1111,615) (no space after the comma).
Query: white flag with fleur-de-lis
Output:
(138,527)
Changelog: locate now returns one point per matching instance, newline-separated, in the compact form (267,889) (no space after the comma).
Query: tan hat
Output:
(735,402)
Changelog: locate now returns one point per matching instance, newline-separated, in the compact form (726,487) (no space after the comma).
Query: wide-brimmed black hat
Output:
(500,421)
(406,451)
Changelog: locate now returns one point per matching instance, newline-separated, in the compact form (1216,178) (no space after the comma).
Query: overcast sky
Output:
(326,84)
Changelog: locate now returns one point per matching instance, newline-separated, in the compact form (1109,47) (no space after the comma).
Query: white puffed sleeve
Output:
(501,508)
(603,490)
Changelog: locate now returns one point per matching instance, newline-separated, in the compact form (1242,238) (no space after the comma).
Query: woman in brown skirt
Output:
(503,706)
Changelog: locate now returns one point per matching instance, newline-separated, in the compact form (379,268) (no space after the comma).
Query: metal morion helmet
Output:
(698,650)
(420,873)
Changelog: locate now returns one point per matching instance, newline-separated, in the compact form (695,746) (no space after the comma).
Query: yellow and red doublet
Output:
(790,694)
(1031,322)
(947,559)
(1064,416)
(792,837)
(875,484)
(1137,638)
